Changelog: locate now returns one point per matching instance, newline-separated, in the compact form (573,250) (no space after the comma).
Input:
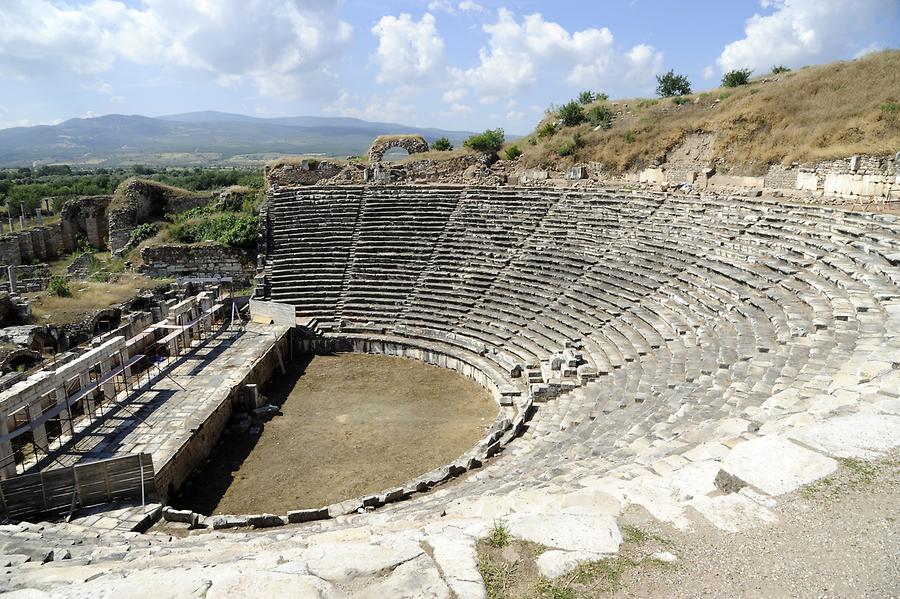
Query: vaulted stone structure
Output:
(412,143)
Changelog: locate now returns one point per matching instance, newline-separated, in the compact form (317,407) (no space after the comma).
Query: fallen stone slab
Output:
(298,516)
(596,533)
(343,561)
(555,563)
(264,520)
(733,512)
(865,436)
(416,579)
(170,514)
(773,465)
(268,585)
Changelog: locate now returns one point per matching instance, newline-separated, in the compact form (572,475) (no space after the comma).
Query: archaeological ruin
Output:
(695,355)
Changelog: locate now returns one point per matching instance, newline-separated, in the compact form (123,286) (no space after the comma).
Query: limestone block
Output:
(416,579)
(773,465)
(268,585)
(733,512)
(555,563)
(343,561)
(866,436)
(574,532)
(309,515)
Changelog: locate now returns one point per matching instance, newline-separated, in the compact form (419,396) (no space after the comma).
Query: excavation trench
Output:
(350,425)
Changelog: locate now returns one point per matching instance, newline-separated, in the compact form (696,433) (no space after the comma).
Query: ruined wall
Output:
(40,244)
(306,172)
(208,259)
(86,216)
(138,201)
(413,143)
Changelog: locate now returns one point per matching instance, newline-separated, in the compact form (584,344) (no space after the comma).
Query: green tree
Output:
(671,84)
(736,77)
(489,141)
(513,152)
(586,97)
(571,114)
(780,68)
(600,116)
(442,144)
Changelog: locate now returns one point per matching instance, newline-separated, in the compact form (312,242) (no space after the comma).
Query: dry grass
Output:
(386,138)
(815,113)
(87,296)
(300,159)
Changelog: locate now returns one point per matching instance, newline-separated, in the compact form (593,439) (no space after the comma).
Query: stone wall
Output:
(28,277)
(35,244)
(209,259)
(306,172)
(137,201)
(413,143)
(87,216)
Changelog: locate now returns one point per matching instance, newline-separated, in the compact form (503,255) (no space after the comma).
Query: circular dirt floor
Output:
(351,425)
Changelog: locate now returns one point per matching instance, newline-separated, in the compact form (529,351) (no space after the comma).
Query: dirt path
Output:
(351,425)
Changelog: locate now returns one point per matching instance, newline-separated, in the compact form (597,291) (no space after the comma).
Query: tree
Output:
(513,152)
(671,84)
(571,114)
(600,116)
(736,78)
(489,141)
(780,68)
(442,144)
(586,97)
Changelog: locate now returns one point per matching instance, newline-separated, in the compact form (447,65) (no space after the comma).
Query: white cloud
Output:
(801,32)
(441,6)
(469,6)
(454,95)
(519,54)
(393,107)
(708,72)
(409,52)
(286,48)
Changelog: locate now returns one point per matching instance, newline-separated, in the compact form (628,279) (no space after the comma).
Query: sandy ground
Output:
(351,425)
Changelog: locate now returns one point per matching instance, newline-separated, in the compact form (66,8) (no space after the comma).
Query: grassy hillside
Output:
(815,113)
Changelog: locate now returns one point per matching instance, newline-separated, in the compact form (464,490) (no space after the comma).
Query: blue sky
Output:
(456,64)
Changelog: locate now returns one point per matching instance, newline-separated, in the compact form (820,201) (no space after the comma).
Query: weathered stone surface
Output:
(553,564)
(412,143)
(342,561)
(269,585)
(866,436)
(298,516)
(264,520)
(573,532)
(776,466)
(733,512)
(416,579)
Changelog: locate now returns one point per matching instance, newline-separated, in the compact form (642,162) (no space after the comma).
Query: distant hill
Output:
(195,138)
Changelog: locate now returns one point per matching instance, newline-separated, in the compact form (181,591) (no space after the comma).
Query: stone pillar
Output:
(89,406)
(8,468)
(38,433)
(109,388)
(65,423)
(40,216)
(12,279)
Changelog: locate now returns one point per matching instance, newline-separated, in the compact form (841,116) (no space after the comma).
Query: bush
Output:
(777,69)
(571,114)
(239,230)
(442,144)
(59,287)
(513,152)
(671,84)
(600,116)
(546,130)
(679,100)
(586,97)
(489,142)
(567,148)
(736,78)
(532,141)
(143,231)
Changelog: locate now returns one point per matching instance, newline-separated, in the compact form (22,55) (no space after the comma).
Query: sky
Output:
(454,64)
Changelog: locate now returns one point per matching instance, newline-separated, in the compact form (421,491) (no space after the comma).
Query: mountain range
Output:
(195,138)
